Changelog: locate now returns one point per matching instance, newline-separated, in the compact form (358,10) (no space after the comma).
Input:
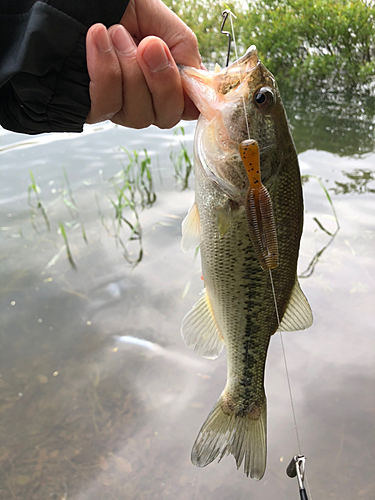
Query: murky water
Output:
(99,397)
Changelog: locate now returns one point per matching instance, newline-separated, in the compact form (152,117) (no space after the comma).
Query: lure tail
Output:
(244,436)
(262,227)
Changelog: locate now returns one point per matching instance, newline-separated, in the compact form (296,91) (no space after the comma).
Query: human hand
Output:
(134,78)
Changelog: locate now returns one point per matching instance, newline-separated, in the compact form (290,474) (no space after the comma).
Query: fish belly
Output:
(240,295)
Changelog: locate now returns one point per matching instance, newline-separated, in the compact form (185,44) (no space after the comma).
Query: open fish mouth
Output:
(236,103)
(208,89)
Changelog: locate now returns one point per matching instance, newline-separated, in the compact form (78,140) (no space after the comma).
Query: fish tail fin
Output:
(244,436)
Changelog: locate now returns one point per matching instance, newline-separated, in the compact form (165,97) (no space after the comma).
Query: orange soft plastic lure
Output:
(259,210)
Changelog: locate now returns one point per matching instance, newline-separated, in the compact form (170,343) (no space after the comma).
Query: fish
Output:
(248,225)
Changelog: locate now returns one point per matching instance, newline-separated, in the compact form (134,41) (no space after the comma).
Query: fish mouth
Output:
(224,98)
(208,89)
(244,64)
(247,62)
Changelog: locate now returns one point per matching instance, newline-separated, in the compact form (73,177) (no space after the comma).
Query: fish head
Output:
(237,103)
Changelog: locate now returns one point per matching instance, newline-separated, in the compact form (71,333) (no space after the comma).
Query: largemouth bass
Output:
(237,307)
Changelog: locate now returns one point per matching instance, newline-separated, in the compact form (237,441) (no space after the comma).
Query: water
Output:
(100,398)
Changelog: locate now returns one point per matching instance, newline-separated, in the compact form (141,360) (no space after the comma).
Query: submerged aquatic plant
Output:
(67,196)
(313,262)
(37,208)
(68,252)
(181,161)
(69,201)
(134,190)
(139,176)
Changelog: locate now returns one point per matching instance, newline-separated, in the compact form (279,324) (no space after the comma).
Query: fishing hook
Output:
(225,15)
(297,468)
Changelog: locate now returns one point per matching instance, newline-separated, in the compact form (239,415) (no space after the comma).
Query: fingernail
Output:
(122,40)
(102,40)
(155,56)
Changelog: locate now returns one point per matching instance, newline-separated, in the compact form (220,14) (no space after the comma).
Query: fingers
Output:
(151,84)
(143,17)
(134,86)
(163,81)
(137,108)
(180,39)
(105,75)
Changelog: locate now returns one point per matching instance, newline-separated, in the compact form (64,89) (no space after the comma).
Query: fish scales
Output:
(237,308)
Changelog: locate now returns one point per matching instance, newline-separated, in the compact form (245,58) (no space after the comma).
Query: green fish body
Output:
(237,308)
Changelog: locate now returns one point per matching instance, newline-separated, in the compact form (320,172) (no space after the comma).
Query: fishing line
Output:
(235,51)
(231,15)
(288,378)
(271,278)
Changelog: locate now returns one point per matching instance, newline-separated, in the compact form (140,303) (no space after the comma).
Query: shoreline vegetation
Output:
(305,44)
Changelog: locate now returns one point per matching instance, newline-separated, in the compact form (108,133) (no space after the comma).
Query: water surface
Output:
(99,397)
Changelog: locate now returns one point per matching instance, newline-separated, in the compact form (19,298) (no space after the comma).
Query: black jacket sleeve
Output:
(44,83)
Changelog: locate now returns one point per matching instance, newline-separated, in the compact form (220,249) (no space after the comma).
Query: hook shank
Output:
(225,15)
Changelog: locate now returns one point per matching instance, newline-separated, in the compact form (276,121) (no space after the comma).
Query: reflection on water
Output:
(342,124)
(100,398)
(359,181)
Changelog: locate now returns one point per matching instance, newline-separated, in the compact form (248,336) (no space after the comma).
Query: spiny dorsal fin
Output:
(199,329)
(298,314)
(191,229)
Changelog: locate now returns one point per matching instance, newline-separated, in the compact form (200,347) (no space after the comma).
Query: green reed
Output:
(68,252)
(134,190)
(311,267)
(181,161)
(37,207)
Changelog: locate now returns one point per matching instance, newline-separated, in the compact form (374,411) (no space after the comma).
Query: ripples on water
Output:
(100,398)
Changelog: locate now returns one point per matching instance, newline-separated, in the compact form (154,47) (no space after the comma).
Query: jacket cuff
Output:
(48,88)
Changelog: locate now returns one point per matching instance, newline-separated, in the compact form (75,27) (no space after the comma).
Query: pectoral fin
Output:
(199,329)
(298,315)
(191,229)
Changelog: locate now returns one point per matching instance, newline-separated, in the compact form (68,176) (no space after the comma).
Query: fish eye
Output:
(263,98)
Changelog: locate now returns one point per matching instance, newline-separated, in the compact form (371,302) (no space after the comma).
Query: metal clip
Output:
(225,15)
(297,468)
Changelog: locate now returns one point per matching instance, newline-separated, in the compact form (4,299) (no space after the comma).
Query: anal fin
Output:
(199,329)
